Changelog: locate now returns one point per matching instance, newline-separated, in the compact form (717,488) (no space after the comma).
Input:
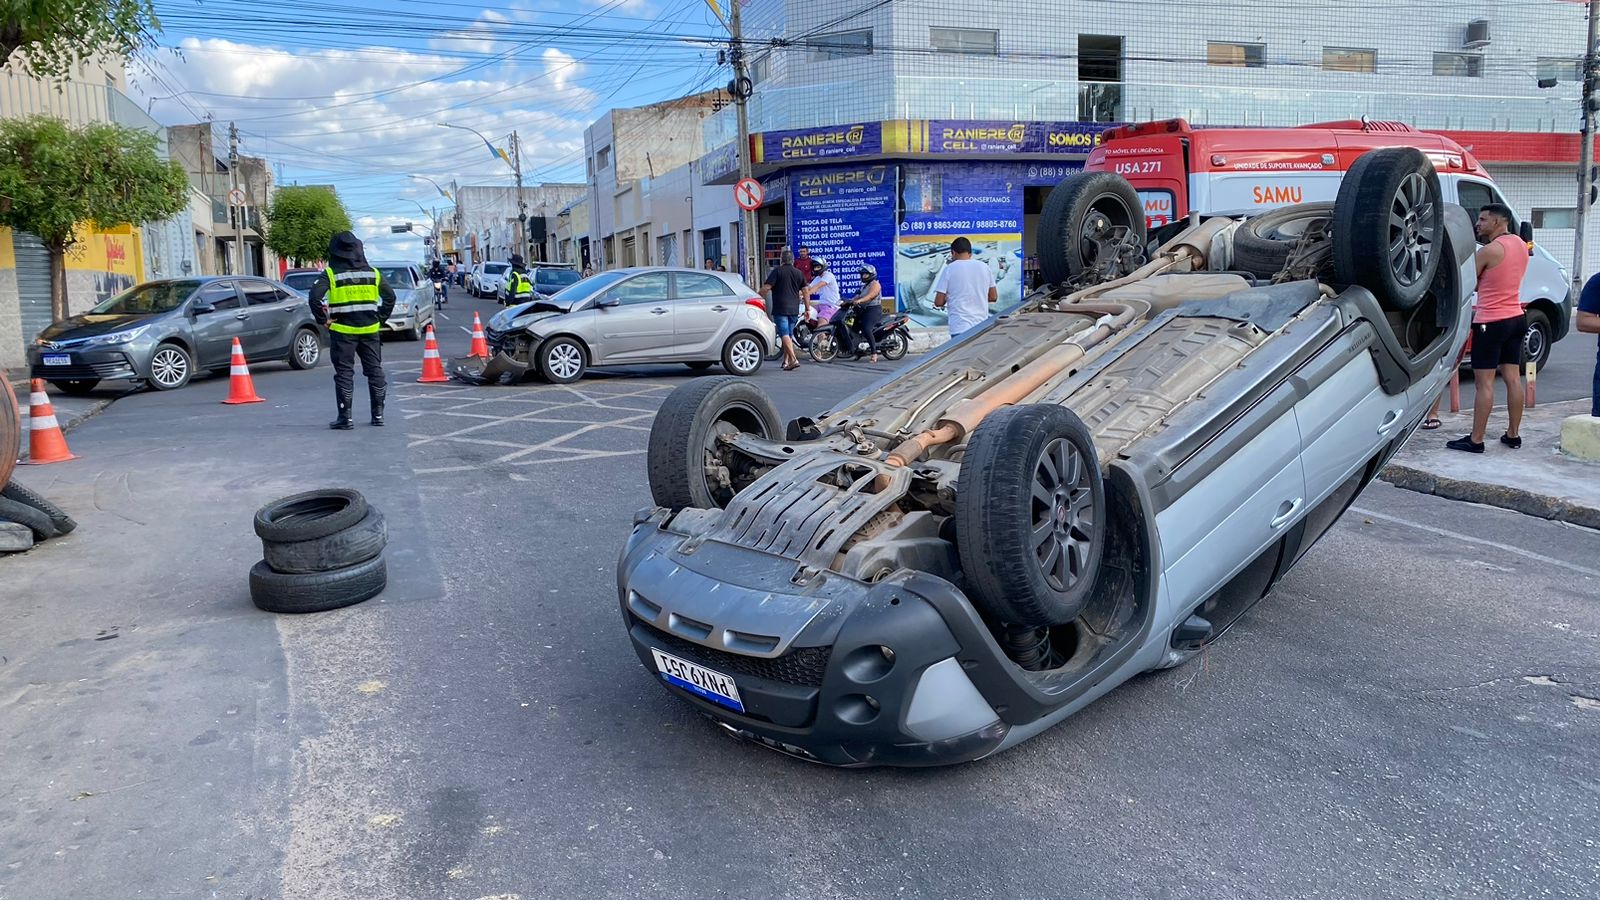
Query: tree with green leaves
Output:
(55,179)
(53,35)
(301,221)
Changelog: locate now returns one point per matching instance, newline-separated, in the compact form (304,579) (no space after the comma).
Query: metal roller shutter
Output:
(33,284)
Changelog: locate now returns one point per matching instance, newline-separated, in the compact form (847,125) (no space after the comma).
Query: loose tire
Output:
(562,360)
(1536,343)
(1081,216)
(356,544)
(1262,244)
(310,515)
(58,517)
(1388,226)
(171,367)
(77,388)
(305,351)
(23,514)
(894,345)
(1030,515)
(683,439)
(743,354)
(317,591)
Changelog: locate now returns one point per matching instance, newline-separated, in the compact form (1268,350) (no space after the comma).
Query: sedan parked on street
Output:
(413,299)
(160,332)
(631,316)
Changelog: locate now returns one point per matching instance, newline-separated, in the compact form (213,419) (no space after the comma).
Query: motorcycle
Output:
(440,298)
(893,335)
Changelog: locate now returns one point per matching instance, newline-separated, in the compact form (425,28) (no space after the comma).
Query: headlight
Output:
(116,337)
(402,306)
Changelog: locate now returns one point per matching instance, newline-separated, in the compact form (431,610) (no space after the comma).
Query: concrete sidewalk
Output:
(1538,480)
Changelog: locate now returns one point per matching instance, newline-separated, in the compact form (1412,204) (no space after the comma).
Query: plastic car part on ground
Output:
(1163,427)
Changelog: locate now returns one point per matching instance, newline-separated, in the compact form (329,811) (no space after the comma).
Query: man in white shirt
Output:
(966,286)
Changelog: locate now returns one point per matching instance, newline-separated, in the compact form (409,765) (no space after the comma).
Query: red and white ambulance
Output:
(1178,170)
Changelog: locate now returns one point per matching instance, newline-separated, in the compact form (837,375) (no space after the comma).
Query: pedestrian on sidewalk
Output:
(1589,323)
(354,301)
(1498,327)
(967,287)
(806,264)
(784,285)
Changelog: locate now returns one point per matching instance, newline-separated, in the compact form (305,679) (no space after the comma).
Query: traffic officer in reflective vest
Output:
(354,301)
(518,287)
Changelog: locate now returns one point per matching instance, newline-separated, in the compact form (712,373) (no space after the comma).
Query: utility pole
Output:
(521,243)
(1591,73)
(741,86)
(238,212)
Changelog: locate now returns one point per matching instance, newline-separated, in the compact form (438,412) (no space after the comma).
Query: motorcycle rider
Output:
(437,273)
(867,308)
(517,287)
(823,293)
(353,300)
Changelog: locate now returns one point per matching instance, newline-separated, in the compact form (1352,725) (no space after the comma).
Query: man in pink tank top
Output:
(1498,327)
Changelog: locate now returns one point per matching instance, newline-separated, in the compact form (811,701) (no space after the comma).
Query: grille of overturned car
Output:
(802,666)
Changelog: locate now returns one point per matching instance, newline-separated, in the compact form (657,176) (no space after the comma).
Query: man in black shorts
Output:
(1498,327)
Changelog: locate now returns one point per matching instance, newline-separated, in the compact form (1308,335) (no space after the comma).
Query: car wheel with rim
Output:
(688,463)
(1092,227)
(1389,225)
(1536,343)
(77,388)
(171,367)
(742,354)
(306,350)
(1031,515)
(562,360)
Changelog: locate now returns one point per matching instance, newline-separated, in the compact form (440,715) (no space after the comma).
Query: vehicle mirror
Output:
(201,307)
(1525,231)
(607,303)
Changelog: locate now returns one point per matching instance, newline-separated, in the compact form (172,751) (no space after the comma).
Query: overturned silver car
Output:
(1094,485)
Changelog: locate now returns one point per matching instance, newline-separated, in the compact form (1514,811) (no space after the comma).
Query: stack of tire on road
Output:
(321,550)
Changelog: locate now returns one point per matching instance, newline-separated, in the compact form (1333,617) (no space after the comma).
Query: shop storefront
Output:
(894,194)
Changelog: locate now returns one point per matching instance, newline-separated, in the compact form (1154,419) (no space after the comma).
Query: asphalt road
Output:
(1412,714)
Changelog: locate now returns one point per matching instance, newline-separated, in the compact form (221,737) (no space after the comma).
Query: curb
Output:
(1515,499)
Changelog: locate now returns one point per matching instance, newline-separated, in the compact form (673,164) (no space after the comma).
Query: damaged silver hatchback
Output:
(1095,485)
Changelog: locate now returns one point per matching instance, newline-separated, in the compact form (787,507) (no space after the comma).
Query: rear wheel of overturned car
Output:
(690,463)
(316,591)
(1092,224)
(742,354)
(1031,515)
(562,360)
(1263,244)
(1388,225)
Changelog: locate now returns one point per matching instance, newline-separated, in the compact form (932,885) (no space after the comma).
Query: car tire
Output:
(305,351)
(894,346)
(171,367)
(1536,343)
(1078,210)
(1389,199)
(23,514)
(58,517)
(317,591)
(743,354)
(1016,454)
(356,544)
(310,515)
(1262,244)
(77,388)
(562,360)
(683,438)
(700,365)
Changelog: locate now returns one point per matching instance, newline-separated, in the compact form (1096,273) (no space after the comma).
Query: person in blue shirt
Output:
(1589,323)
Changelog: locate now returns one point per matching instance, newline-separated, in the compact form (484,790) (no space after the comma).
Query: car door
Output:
(270,321)
(215,329)
(633,320)
(702,307)
(1250,489)
(1345,417)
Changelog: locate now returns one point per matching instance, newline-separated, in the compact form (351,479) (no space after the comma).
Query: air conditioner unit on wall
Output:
(1477,35)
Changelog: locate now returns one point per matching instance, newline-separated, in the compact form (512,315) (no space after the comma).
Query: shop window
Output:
(1560,69)
(841,44)
(1348,59)
(1099,78)
(968,41)
(1555,218)
(1458,65)
(1236,56)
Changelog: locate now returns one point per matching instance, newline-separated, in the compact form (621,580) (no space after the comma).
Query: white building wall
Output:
(1530,188)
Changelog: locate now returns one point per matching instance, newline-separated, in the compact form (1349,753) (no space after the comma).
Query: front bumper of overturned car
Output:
(832,695)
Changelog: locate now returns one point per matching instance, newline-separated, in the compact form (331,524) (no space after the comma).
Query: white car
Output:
(486,278)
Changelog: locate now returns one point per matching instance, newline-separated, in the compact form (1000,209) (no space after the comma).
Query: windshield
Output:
(301,281)
(569,297)
(397,276)
(555,279)
(147,299)
(495,268)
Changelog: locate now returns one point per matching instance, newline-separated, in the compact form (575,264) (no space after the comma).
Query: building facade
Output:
(488,224)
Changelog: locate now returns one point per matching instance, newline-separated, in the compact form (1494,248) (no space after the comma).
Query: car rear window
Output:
(495,268)
(301,281)
(555,279)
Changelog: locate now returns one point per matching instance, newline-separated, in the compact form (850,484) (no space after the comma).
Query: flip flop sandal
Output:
(1431,424)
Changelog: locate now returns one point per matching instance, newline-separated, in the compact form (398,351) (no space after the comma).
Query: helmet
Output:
(818,265)
(868,272)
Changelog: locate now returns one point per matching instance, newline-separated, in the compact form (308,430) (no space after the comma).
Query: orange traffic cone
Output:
(432,367)
(480,344)
(46,443)
(240,388)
